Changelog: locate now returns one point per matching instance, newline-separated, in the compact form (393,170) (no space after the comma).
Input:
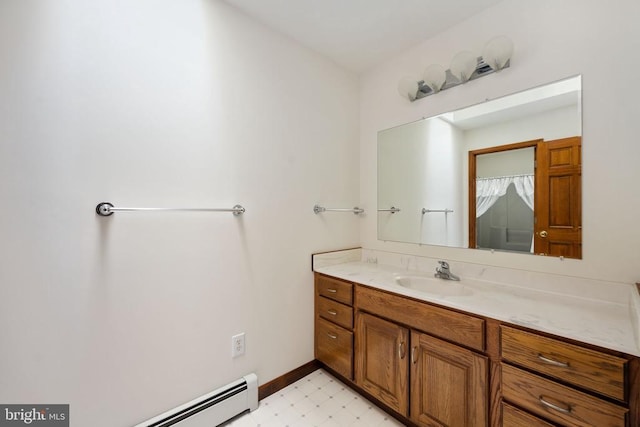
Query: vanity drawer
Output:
(334,347)
(583,367)
(514,417)
(558,403)
(334,289)
(450,325)
(335,312)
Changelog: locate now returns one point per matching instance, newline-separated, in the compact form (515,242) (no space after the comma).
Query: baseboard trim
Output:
(290,377)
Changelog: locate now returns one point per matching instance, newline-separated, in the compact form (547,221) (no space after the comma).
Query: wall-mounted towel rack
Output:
(392,209)
(106,209)
(446,211)
(317,209)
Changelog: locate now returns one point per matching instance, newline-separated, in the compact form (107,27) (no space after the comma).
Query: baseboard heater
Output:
(213,408)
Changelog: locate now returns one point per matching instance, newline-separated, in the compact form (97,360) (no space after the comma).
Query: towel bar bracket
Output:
(104,209)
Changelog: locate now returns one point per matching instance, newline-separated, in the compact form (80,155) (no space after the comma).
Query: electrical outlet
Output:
(237,345)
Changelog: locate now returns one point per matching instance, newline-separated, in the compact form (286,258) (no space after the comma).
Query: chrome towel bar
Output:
(446,211)
(317,209)
(392,209)
(106,209)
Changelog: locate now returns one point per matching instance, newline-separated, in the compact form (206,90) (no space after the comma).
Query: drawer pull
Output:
(332,336)
(553,362)
(555,407)
(414,355)
(333,291)
(402,350)
(332,312)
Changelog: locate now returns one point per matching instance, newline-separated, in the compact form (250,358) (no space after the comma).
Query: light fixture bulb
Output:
(463,65)
(497,52)
(408,88)
(435,76)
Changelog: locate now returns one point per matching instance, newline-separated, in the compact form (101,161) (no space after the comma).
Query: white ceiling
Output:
(358,34)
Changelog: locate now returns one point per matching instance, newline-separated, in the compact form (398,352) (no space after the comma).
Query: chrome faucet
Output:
(443,272)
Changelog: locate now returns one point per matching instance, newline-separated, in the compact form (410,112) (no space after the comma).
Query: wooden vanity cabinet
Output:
(334,324)
(431,381)
(567,384)
(436,366)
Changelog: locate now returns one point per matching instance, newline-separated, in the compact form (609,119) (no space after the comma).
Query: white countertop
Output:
(610,325)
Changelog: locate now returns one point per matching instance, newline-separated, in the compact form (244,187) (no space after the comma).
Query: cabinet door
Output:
(334,347)
(448,384)
(381,360)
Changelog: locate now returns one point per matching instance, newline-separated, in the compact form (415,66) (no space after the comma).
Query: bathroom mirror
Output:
(468,178)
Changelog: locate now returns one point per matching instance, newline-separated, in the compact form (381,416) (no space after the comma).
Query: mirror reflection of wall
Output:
(420,170)
(424,164)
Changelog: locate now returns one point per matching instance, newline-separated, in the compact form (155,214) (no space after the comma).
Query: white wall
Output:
(443,150)
(161,103)
(555,124)
(413,155)
(402,180)
(504,163)
(553,40)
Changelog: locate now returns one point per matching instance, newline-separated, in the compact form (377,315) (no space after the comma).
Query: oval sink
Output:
(432,285)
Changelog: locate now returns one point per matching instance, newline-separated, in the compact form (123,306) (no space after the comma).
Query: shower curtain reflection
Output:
(504,212)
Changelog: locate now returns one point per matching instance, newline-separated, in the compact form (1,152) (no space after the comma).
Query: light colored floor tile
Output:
(306,386)
(305,406)
(315,417)
(290,417)
(331,423)
(318,399)
(344,417)
(358,406)
(293,395)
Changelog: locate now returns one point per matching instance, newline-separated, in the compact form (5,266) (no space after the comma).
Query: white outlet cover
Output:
(237,345)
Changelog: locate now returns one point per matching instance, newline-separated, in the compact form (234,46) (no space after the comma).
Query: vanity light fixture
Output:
(435,77)
(497,52)
(408,88)
(465,66)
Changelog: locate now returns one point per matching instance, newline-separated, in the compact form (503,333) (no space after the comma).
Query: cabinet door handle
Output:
(332,312)
(553,362)
(332,336)
(550,405)
(333,291)
(414,355)
(402,350)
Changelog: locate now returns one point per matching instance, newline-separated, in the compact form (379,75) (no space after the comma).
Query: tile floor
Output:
(318,399)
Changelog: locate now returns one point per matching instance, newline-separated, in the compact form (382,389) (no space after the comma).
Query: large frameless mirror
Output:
(502,175)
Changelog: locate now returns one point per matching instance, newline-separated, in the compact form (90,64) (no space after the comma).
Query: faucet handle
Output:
(444,264)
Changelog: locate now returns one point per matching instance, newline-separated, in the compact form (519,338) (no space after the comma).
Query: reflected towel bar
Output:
(393,210)
(317,209)
(106,209)
(446,211)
